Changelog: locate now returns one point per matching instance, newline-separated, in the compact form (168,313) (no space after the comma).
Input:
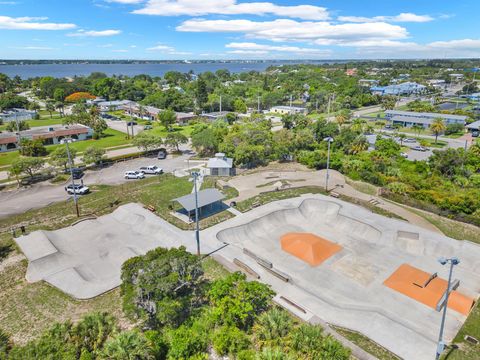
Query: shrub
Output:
(229,340)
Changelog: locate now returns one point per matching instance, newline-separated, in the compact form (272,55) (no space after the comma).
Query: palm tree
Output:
(50,107)
(358,145)
(401,137)
(60,107)
(91,333)
(127,345)
(340,119)
(358,125)
(272,326)
(417,128)
(437,127)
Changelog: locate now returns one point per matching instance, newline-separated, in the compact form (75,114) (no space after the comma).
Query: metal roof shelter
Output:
(205,197)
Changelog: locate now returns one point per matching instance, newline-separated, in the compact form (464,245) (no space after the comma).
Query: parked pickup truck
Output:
(78,189)
(151,170)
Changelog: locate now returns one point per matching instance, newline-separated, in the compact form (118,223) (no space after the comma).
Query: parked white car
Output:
(403,154)
(151,170)
(134,175)
(78,189)
(409,140)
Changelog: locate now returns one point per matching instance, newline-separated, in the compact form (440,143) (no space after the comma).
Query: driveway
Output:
(121,126)
(40,195)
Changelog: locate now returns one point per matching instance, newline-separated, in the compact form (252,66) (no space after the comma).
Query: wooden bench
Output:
(150,207)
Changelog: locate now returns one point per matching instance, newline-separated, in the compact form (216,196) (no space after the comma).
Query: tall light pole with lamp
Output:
(329,140)
(195,176)
(453,261)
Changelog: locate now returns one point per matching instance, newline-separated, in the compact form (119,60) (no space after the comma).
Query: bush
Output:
(454,128)
(229,340)
(79,96)
(186,342)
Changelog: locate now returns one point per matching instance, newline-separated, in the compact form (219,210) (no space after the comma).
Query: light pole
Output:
(197,231)
(453,261)
(75,199)
(329,140)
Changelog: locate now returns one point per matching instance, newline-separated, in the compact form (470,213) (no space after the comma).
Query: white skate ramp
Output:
(85,260)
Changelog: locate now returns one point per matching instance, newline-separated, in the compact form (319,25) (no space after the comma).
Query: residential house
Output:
(50,135)
(17,114)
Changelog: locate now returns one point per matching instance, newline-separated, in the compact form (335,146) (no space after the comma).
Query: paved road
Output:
(40,195)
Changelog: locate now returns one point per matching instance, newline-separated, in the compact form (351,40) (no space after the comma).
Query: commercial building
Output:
(220,165)
(16,115)
(410,118)
(50,135)
(406,88)
(285,110)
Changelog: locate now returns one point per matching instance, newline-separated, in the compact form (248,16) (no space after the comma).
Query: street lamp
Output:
(70,163)
(453,261)
(195,175)
(329,140)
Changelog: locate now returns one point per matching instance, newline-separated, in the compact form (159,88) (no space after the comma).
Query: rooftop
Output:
(414,114)
(205,197)
(220,161)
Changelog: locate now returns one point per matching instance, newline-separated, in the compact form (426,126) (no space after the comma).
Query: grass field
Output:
(463,350)
(366,344)
(112,138)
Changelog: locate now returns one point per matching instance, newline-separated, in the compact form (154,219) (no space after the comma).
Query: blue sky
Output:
(238,29)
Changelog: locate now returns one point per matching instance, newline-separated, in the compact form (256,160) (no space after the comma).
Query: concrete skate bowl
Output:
(322,218)
(84,260)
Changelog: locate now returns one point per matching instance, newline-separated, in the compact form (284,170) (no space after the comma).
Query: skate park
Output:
(361,282)
(336,261)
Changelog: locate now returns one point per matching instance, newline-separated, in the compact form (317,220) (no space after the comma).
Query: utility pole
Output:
(291,97)
(220,103)
(75,199)
(18,132)
(258,103)
(197,230)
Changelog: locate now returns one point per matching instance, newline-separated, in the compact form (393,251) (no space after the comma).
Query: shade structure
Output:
(308,247)
(427,289)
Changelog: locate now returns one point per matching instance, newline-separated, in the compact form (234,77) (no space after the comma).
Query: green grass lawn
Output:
(267,197)
(463,350)
(366,344)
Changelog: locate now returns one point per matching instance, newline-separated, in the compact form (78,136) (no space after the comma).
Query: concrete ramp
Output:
(85,260)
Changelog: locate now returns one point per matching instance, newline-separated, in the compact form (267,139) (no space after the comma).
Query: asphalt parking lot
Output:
(20,200)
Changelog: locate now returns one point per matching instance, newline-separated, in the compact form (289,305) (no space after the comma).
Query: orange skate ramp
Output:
(426,288)
(308,247)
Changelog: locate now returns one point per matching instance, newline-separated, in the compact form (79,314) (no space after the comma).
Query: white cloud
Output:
(258,48)
(229,7)
(105,46)
(403,17)
(165,49)
(463,44)
(33,48)
(31,23)
(95,33)
(119,51)
(126,1)
(320,33)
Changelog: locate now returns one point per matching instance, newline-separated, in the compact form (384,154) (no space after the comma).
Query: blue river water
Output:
(70,70)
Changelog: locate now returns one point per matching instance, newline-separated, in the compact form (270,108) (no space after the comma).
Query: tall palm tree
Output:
(50,107)
(127,345)
(401,137)
(417,128)
(437,127)
(60,107)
